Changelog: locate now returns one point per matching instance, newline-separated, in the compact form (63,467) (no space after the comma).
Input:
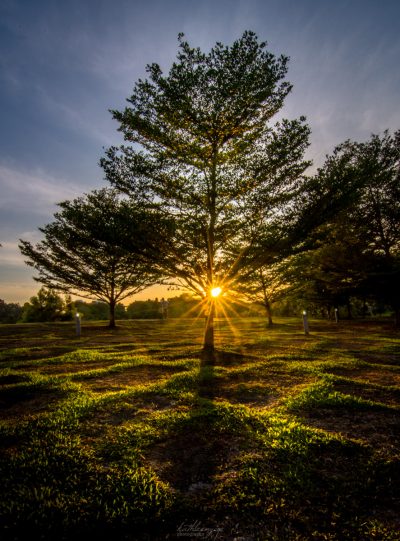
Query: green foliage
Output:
(357,254)
(47,305)
(131,435)
(149,309)
(212,161)
(59,489)
(99,311)
(80,253)
(9,312)
(322,395)
(266,285)
(185,306)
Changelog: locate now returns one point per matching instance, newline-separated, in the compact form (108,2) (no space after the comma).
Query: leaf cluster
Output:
(209,156)
(81,253)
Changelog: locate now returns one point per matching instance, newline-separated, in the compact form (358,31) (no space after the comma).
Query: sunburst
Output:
(216,291)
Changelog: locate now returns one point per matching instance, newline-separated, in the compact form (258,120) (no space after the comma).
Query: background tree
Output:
(333,272)
(357,253)
(377,215)
(98,310)
(47,305)
(212,161)
(184,305)
(9,312)
(149,309)
(80,253)
(266,285)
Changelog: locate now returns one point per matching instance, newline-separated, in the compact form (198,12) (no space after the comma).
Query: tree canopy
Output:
(357,252)
(210,193)
(204,150)
(9,312)
(47,305)
(80,253)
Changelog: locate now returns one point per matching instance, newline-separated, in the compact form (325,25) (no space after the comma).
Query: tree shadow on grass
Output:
(27,400)
(188,458)
(196,450)
(213,450)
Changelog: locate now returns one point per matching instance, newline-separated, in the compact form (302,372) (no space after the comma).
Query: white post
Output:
(336,315)
(305,323)
(78,324)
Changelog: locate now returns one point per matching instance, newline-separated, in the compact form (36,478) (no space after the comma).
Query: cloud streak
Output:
(36,191)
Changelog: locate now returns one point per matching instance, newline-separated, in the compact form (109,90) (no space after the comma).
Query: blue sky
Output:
(64,64)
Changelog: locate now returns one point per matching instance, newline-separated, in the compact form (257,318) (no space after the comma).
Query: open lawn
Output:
(125,435)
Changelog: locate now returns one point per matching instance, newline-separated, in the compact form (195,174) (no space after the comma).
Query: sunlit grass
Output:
(127,432)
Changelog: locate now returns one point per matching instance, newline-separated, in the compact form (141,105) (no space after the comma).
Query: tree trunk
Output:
(268,312)
(208,344)
(112,315)
(349,314)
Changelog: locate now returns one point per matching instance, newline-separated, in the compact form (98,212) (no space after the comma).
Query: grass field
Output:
(125,435)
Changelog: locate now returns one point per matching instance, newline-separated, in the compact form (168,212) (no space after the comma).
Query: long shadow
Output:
(196,450)
(39,340)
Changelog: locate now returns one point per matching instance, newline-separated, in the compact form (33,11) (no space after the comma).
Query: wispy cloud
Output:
(36,191)
(9,254)
(18,291)
(9,251)
(16,282)
(94,124)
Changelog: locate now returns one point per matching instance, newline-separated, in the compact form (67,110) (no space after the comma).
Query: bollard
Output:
(305,323)
(78,324)
(336,315)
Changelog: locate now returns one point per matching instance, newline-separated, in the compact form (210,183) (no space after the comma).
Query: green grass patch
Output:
(125,434)
(323,395)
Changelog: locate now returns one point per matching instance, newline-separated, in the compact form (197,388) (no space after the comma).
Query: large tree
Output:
(80,253)
(203,148)
(333,271)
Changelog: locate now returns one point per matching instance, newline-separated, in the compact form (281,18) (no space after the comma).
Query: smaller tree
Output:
(80,253)
(265,286)
(47,305)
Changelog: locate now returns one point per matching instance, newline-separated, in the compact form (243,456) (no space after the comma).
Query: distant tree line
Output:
(48,306)
(9,312)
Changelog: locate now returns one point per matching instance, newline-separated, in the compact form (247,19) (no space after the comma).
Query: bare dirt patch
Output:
(370,392)
(378,377)
(190,461)
(250,389)
(8,379)
(18,405)
(378,357)
(240,393)
(70,368)
(379,429)
(139,375)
